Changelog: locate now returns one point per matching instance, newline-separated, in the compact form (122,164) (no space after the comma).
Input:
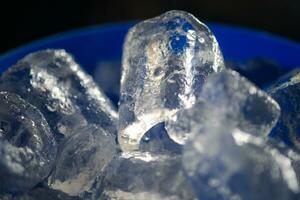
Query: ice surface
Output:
(166,60)
(39,194)
(53,82)
(145,176)
(224,162)
(27,146)
(231,164)
(82,157)
(287,93)
(244,105)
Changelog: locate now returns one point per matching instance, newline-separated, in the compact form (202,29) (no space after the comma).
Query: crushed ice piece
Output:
(156,140)
(225,163)
(53,82)
(82,157)
(246,106)
(287,93)
(107,75)
(39,194)
(260,71)
(27,146)
(142,174)
(166,60)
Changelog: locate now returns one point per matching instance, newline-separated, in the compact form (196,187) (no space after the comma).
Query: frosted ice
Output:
(145,175)
(246,106)
(224,162)
(230,164)
(27,146)
(287,93)
(166,60)
(81,158)
(53,82)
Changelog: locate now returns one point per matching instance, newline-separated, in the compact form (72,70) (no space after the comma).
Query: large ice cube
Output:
(166,60)
(81,158)
(287,93)
(68,97)
(246,106)
(27,146)
(230,164)
(145,175)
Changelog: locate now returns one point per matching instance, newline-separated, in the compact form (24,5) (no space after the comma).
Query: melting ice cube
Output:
(53,82)
(166,60)
(245,106)
(145,176)
(81,158)
(27,146)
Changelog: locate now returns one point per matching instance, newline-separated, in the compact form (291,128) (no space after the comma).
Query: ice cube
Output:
(287,93)
(53,82)
(226,163)
(81,158)
(246,106)
(142,175)
(27,146)
(166,60)
(39,194)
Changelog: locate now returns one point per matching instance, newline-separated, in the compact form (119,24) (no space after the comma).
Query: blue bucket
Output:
(104,43)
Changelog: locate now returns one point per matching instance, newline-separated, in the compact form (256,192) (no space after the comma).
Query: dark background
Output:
(26,20)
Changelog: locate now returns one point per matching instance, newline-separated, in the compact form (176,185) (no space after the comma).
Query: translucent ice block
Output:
(81,158)
(145,175)
(166,60)
(245,106)
(53,82)
(27,146)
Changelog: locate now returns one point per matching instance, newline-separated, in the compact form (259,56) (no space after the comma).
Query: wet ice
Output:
(166,60)
(242,102)
(53,82)
(145,175)
(226,155)
(81,158)
(27,146)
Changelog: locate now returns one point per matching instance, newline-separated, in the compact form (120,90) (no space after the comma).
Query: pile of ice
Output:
(187,126)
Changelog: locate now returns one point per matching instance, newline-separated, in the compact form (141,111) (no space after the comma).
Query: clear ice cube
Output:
(53,82)
(142,174)
(287,93)
(224,162)
(166,60)
(81,158)
(246,106)
(27,146)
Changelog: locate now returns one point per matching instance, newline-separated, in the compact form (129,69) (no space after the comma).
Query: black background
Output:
(26,20)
